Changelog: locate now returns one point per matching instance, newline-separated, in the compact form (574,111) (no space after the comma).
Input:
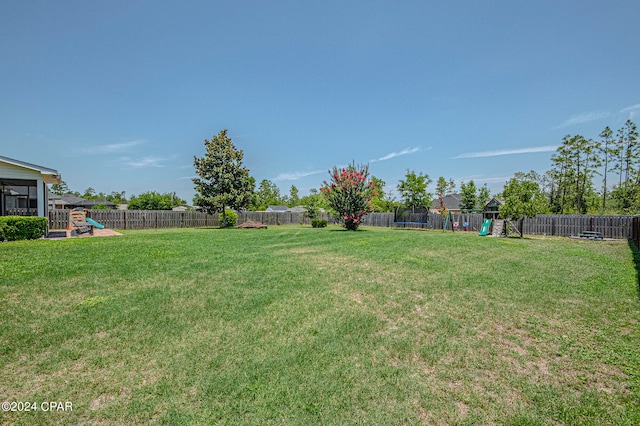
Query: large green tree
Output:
(575,162)
(413,189)
(267,194)
(155,201)
(522,197)
(294,197)
(469,195)
(444,187)
(313,203)
(60,188)
(382,201)
(222,179)
(118,197)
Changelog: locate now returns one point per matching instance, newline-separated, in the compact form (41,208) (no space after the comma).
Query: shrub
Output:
(318,223)
(13,228)
(229,219)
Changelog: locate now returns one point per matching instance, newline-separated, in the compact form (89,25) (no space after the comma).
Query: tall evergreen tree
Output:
(294,197)
(267,194)
(222,180)
(483,195)
(628,140)
(561,173)
(606,153)
(576,161)
(469,195)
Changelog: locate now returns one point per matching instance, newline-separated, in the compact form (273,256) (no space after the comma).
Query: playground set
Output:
(80,224)
(490,226)
(462,220)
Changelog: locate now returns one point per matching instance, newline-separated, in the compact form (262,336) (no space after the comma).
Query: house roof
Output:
(91,203)
(451,202)
(49,176)
(278,208)
(72,200)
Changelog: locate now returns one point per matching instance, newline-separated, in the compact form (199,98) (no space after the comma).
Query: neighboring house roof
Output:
(49,176)
(91,203)
(277,209)
(451,202)
(72,200)
(297,209)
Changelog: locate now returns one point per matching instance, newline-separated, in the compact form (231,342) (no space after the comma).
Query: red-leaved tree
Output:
(349,193)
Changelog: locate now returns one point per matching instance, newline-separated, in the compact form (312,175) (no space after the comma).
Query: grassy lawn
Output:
(294,325)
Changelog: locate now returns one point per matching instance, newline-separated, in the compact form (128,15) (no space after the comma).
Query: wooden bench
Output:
(81,228)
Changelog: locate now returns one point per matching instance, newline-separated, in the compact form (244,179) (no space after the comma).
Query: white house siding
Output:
(9,171)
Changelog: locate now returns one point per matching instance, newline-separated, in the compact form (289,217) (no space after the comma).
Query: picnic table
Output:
(593,235)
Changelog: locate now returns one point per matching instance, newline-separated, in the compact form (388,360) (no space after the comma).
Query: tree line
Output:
(568,187)
(222,181)
(146,201)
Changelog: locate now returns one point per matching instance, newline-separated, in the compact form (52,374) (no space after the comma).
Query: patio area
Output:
(59,234)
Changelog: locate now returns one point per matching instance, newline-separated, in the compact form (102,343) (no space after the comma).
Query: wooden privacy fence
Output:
(138,219)
(635,230)
(561,225)
(147,219)
(276,218)
(566,225)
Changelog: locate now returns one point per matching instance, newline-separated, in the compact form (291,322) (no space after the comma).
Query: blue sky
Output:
(120,95)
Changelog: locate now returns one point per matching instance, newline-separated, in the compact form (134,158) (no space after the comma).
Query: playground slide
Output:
(94,223)
(484,230)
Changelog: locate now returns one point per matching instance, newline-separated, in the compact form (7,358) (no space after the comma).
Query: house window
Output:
(19,197)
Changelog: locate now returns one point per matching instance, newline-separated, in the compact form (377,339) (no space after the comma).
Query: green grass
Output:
(294,325)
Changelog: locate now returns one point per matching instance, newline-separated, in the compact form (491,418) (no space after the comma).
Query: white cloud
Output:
(633,110)
(296,175)
(405,151)
(143,162)
(583,118)
(479,180)
(111,148)
(530,150)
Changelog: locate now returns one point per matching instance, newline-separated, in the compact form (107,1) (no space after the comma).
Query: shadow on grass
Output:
(636,263)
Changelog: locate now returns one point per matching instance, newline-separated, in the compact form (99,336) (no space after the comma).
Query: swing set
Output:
(454,222)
